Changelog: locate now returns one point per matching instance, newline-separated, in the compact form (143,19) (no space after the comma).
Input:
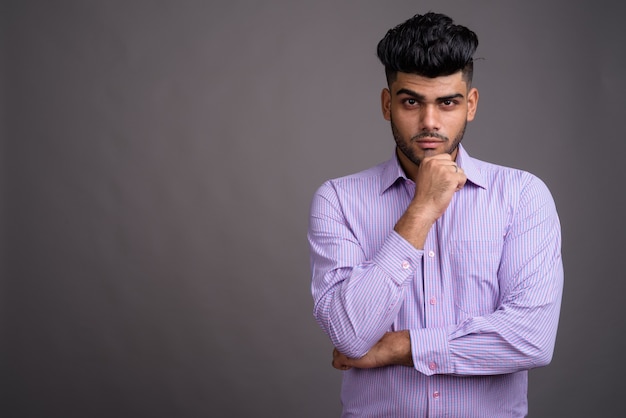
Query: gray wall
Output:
(3,178)
(160,158)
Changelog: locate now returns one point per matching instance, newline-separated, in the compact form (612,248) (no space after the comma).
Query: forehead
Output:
(426,86)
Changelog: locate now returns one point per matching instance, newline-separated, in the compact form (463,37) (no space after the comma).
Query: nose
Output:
(429,118)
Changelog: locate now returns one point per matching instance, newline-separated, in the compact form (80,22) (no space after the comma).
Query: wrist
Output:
(414,226)
(422,213)
(404,354)
(398,346)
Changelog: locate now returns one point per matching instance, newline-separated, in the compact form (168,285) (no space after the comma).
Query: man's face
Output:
(428,115)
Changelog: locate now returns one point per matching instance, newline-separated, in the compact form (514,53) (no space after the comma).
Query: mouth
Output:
(427,143)
(430,138)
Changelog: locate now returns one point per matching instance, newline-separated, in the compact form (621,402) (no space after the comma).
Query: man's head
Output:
(429,100)
(429,45)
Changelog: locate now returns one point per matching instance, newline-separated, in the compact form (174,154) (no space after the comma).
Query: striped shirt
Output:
(481,300)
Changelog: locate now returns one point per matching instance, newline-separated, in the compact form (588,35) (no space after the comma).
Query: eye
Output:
(449,103)
(410,102)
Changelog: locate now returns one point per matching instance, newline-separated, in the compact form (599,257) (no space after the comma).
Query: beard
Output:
(405,145)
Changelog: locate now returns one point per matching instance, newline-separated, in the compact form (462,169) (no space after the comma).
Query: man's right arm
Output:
(356,298)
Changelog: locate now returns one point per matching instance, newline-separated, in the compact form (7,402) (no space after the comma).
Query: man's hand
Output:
(438,178)
(393,349)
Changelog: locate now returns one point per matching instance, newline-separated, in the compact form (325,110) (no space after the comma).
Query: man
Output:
(437,277)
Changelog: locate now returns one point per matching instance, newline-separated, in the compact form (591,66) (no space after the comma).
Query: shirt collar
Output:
(392,170)
(468,164)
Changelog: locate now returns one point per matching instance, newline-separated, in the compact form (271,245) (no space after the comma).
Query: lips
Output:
(429,142)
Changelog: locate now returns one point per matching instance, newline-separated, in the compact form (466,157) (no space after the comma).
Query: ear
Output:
(472,104)
(385,103)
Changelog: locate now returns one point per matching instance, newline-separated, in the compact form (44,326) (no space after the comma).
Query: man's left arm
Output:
(520,334)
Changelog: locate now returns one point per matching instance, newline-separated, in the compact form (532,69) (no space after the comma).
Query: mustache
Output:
(423,135)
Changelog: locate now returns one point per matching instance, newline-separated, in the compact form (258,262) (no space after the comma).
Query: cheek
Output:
(406,121)
(406,131)
(456,122)
(468,114)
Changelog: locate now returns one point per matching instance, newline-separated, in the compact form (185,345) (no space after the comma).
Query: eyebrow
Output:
(421,97)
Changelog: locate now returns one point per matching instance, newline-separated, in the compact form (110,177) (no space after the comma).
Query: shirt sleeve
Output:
(356,299)
(520,334)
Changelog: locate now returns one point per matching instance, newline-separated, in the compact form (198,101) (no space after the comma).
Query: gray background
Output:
(159,157)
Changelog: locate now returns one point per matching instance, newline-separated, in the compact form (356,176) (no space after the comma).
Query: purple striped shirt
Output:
(481,300)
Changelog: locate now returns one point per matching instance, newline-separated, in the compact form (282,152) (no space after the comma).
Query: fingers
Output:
(442,156)
(453,167)
(442,167)
(461,177)
(457,169)
(340,362)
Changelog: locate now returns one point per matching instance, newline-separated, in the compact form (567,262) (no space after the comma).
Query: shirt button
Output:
(406,265)
(431,253)
(436,394)
(433,301)
(432,366)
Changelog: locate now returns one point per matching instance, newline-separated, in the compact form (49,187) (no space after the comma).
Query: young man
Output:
(437,277)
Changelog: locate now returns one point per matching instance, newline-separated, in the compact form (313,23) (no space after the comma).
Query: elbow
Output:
(343,334)
(544,357)
(351,341)
(541,355)
(348,343)
(352,351)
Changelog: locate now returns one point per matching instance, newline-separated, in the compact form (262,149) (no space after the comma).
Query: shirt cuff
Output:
(430,350)
(399,259)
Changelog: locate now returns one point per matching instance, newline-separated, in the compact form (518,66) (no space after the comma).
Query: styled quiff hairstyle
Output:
(429,45)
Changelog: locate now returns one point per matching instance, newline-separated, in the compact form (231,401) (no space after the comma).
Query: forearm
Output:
(393,349)
(414,226)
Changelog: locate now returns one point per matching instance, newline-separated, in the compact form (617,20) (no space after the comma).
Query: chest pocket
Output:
(474,268)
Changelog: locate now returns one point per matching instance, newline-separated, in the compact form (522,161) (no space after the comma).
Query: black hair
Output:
(429,45)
